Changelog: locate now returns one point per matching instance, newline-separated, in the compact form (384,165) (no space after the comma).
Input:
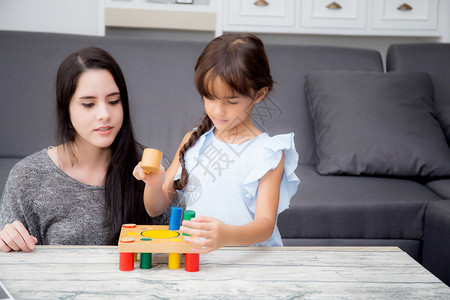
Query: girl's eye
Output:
(113,102)
(233,102)
(88,105)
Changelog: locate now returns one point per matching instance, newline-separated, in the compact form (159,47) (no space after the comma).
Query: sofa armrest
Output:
(436,243)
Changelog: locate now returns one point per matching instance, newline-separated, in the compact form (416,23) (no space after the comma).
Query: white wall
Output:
(87,17)
(60,16)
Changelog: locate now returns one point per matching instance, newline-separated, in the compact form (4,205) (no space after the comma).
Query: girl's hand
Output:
(207,233)
(154,179)
(15,236)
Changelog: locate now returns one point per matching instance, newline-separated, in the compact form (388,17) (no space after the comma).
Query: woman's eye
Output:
(113,102)
(87,104)
(233,102)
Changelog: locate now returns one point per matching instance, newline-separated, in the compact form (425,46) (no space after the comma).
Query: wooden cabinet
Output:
(269,16)
(427,18)
(414,18)
(334,14)
(410,15)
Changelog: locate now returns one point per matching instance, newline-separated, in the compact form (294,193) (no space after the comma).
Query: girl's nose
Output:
(219,108)
(103,112)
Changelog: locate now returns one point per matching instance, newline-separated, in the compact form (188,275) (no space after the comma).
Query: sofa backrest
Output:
(434,59)
(163,100)
(289,66)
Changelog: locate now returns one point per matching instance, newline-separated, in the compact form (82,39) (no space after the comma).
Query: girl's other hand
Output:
(153,179)
(15,236)
(207,233)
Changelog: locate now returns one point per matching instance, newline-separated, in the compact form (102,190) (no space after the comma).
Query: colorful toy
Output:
(151,159)
(191,260)
(148,239)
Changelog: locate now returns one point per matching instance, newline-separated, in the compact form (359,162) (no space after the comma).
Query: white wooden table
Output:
(86,272)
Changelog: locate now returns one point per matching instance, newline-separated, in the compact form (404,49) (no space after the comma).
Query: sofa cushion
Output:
(377,124)
(433,58)
(286,109)
(440,187)
(351,207)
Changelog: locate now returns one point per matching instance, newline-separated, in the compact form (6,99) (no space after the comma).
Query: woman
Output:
(81,191)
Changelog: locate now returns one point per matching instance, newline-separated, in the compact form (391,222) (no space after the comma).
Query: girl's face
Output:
(229,111)
(96,109)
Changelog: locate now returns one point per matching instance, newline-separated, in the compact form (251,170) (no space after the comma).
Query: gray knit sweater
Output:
(54,207)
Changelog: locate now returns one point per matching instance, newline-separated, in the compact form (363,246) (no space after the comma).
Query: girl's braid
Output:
(204,127)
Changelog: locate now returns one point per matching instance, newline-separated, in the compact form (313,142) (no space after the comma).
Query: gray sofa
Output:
(345,198)
(434,59)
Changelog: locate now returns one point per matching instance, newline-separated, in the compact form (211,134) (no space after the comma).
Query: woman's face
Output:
(96,109)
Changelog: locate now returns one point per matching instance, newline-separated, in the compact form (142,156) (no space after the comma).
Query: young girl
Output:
(79,192)
(236,178)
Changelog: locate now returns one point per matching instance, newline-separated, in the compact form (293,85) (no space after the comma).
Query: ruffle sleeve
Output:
(272,151)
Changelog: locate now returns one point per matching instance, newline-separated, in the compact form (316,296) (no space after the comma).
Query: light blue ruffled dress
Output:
(224,178)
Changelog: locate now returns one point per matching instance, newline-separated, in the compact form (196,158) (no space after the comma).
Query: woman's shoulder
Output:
(30,167)
(33,161)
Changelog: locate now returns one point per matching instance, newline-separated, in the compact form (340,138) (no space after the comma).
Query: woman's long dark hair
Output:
(240,61)
(123,195)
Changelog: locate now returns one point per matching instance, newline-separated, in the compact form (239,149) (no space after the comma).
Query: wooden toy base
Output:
(148,239)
